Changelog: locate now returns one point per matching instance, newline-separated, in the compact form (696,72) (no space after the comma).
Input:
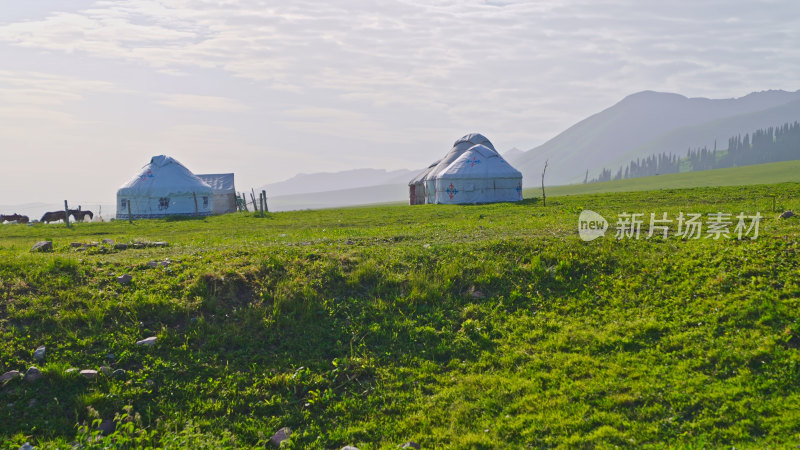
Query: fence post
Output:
(130,216)
(266,207)
(66,213)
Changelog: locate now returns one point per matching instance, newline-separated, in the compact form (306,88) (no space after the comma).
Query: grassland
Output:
(780,172)
(486,326)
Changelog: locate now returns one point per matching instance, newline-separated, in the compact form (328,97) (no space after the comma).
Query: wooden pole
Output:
(266,207)
(261,202)
(544,198)
(130,216)
(253,198)
(196,211)
(66,213)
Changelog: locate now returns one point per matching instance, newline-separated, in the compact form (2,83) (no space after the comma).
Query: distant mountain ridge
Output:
(649,122)
(337,181)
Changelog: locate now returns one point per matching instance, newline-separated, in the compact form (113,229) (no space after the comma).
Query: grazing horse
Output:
(13,218)
(79,215)
(52,216)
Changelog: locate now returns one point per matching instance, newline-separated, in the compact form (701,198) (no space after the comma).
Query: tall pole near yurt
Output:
(544,197)
(130,216)
(196,210)
(66,213)
(266,207)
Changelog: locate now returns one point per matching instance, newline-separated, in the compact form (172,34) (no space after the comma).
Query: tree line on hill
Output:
(765,145)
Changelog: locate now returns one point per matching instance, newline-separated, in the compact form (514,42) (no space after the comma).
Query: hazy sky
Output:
(91,89)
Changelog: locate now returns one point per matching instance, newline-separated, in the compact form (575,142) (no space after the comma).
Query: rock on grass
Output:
(43,246)
(89,373)
(10,375)
(280,436)
(33,374)
(147,342)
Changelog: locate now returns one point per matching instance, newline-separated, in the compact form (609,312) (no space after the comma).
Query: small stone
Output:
(119,373)
(787,214)
(89,373)
(477,294)
(121,246)
(106,427)
(411,444)
(153,264)
(349,447)
(10,375)
(33,374)
(147,341)
(75,244)
(106,370)
(111,356)
(39,353)
(426,246)
(108,241)
(124,279)
(71,370)
(27,446)
(149,382)
(349,242)
(280,436)
(43,246)
(159,244)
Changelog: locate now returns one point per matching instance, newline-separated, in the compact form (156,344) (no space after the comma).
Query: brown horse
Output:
(80,215)
(53,216)
(13,218)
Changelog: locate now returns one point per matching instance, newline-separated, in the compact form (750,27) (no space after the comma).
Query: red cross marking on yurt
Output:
(474,161)
(451,190)
(148,174)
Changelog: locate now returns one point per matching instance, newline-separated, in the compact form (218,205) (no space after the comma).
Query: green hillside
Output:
(780,172)
(486,326)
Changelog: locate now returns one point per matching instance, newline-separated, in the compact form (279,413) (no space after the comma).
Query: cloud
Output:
(201,103)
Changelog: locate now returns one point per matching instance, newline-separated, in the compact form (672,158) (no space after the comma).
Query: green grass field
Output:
(487,326)
(780,172)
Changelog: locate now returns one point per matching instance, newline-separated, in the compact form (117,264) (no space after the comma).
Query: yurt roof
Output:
(460,146)
(479,162)
(221,183)
(164,176)
(421,175)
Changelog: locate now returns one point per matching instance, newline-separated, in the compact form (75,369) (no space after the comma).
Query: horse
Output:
(53,216)
(13,218)
(80,215)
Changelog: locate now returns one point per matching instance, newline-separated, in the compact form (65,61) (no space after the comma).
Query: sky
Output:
(91,89)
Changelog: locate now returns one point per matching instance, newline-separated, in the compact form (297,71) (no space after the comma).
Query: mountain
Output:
(647,123)
(385,193)
(513,155)
(336,181)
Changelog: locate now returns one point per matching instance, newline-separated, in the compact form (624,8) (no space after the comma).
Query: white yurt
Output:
(224,191)
(479,175)
(164,187)
(459,147)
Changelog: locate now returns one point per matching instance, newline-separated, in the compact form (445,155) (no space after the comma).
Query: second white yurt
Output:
(164,187)
(479,175)
(224,191)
